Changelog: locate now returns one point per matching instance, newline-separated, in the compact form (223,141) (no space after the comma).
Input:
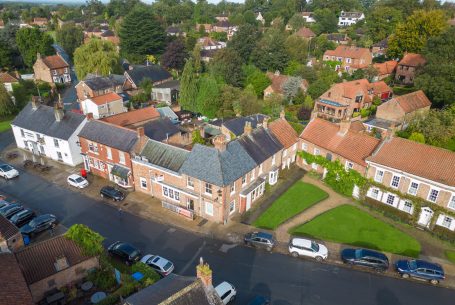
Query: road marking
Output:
(171,230)
(190,262)
(225,247)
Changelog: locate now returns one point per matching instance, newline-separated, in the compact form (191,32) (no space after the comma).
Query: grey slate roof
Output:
(160,129)
(154,72)
(219,168)
(167,112)
(104,82)
(164,155)
(237,125)
(175,290)
(260,144)
(42,120)
(173,84)
(110,135)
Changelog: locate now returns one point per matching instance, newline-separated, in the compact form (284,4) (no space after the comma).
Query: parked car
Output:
(8,172)
(260,240)
(125,252)
(226,291)
(23,217)
(112,193)
(420,269)
(39,224)
(4,203)
(306,247)
(77,181)
(367,258)
(160,264)
(11,209)
(259,300)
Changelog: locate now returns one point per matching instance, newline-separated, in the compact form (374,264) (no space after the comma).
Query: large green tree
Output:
(6,104)
(268,54)
(30,42)
(96,56)
(208,97)
(244,41)
(255,78)
(412,35)
(226,66)
(437,78)
(141,34)
(297,48)
(90,241)
(326,21)
(175,55)
(188,87)
(70,37)
(382,21)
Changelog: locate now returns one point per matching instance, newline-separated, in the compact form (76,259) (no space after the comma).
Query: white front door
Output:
(248,201)
(425,217)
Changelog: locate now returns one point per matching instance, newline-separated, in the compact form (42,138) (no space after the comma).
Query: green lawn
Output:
(349,225)
(296,199)
(5,124)
(450,255)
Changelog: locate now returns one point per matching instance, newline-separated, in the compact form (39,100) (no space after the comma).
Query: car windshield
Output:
(314,246)
(358,253)
(412,265)
(167,266)
(6,167)
(134,253)
(79,179)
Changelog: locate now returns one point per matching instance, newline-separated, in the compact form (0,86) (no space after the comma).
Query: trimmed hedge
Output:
(443,233)
(388,211)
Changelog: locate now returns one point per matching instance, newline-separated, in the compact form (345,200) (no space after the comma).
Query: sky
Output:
(105,1)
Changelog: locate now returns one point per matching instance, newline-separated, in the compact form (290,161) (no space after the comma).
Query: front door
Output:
(248,201)
(425,217)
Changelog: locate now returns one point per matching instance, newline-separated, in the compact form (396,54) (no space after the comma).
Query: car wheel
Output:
(405,275)
(434,282)
(295,254)
(318,258)
(269,248)
(102,196)
(379,270)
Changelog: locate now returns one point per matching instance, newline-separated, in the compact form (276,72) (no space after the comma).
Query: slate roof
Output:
(260,144)
(173,84)
(164,155)
(430,162)
(14,289)
(337,37)
(154,72)
(104,82)
(110,135)
(237,125)
(284,132)
(219,168)
(167,112)
(160,129)
(353,146)
(42,120)
(175,290)
(37,260)
(133,117)
(7,229)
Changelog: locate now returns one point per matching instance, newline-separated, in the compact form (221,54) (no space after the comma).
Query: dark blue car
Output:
(420,269)
(366,258)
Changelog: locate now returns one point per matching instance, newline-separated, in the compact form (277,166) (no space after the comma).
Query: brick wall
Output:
(405,74)
(42,72)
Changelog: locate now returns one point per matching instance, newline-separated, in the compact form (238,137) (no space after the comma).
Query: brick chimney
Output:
(344,127)
(89,116)
(140,132)
(248,128)
(38,56)
(282,114)
(265,122)
(35,102)
(220,142)
(204,273)
(58,112)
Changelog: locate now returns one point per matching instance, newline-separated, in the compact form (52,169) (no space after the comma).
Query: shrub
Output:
(443,234)
(127,289)
(110,300)
(388,211)
(103,279)
(147,271)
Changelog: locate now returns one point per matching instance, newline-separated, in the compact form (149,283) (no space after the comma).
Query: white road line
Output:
(195,256)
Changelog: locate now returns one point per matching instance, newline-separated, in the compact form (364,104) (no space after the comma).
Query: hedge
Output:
(443,233)
(388,211)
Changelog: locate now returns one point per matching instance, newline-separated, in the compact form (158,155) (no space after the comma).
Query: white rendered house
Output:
(350,18)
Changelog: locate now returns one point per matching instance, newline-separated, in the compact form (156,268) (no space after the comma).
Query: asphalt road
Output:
(284,279)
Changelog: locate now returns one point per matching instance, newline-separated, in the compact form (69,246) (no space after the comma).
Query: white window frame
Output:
(121,157)
(314,166)
(447,222)
(316,151)
(451,204)
(411,188)
(143,183)
(273,159)
(109,153)
(304,146)
(430,195)
(406,206)
(231,207)
(387,199)
(171,193)
(189,182)
(376,176)
(392,182)
(260,169)
(56,144)
(348,165)
(208,189)
(209,208)
(93,147)
(374,193)
(232,188)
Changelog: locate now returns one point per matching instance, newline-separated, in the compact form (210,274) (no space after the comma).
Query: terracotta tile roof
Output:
(55,62)
(303,14)
(305,33)
(284,132)
(418,159)
(346,51)
(386,67)
(352,145)
(357,126)
(37,260)
(413,60)
(7,77)
(346,92)
(133,117)
(412,101)
(106,98)
(7,229)
(279,79)
(14,290)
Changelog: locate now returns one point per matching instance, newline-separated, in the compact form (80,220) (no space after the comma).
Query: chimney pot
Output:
(265,122)
(220,142)
(140,132)
(204,273)
(282,114)
(248,128)
(58,112)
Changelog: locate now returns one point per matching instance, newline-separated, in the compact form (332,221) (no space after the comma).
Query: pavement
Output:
(285,280)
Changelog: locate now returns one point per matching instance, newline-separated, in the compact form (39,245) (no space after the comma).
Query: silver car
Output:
(8,172)
(159,264)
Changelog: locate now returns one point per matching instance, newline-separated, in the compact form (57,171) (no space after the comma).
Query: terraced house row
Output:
(404,168)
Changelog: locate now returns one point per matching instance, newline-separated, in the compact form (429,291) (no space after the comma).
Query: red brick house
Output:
(349,58)
(278,80)
(407,67)
(385,69)
(94,86)
(52,69)
(10,236)
(305,33)
(342,100)
(107,150)
(338,142)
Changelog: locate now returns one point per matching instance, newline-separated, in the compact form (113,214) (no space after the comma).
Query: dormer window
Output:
(358,98)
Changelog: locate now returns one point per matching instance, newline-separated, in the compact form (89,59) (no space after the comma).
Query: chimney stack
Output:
(344,126)
(220,142)
(35,102)
(248,128)
(265,122)
(204,273)
(58,112)
(282,114)
(140,132)
(38,56)
(89,116)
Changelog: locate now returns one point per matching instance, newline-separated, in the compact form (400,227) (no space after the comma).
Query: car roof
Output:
(371,253)
(74,176)
(223,287)
(301,242)
(44,216)
(159,261)
(25,211)
(128,248)
(263,235)
(428,265)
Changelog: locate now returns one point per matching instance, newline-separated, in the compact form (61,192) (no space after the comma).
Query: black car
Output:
(23,217)
(124,251)
(39,224)
(367,258)
(9,210)
(259,300)
(112,192)
(260,240)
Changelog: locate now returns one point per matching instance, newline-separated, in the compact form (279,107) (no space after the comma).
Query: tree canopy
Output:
(174,56)
(90,241)
(6,104)
(70,37)
(30,42)
(226,66)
